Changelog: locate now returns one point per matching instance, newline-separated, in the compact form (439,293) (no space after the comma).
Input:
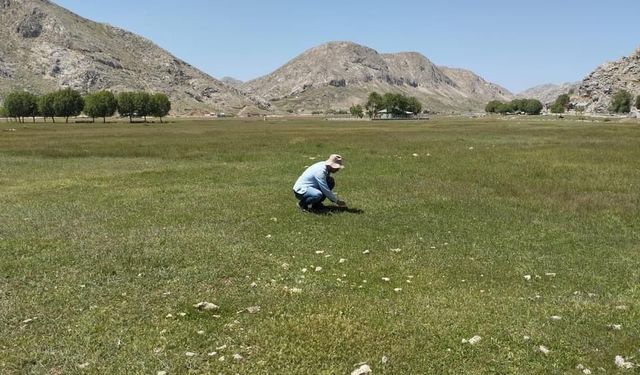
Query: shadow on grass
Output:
(332,210)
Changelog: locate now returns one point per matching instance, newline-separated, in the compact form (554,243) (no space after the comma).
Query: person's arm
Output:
(321,178)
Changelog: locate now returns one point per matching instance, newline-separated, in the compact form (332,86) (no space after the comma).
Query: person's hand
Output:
(341,203)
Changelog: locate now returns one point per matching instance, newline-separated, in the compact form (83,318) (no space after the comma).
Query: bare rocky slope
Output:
(596,90)
(45,47)
(337,75)
(548,93)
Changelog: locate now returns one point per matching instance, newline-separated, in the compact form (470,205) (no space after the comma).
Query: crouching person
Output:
(316,184)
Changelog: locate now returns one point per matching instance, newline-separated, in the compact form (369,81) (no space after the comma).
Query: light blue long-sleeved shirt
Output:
(316,177)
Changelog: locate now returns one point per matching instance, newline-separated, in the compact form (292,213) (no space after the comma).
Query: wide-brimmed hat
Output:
(334,161)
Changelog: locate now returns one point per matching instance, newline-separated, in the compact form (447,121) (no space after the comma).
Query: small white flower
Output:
(169,316)
(161,373)
(200,332)
(342,260)
(304,270)
(526,338)
(320,252)
(238,357)
(212,354)
(366,252)
(221,359)
(385,359)
(223,347)
(615,327)
(318,269)
(190,354)
(543,349)
(397,290)
(83,365)
(269,236)
(386,279)
(555,317)
(527,277)
(182,314)
(295,290)
(550,274)
(253,284)
(586,371)
(285,266)
(396,250)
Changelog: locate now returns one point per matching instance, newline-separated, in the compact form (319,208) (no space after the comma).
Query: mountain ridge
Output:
(342,73)
(47,47)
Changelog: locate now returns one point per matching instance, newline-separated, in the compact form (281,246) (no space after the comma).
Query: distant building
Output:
(386,115)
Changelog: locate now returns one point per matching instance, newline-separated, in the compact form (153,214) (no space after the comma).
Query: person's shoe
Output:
(301,208)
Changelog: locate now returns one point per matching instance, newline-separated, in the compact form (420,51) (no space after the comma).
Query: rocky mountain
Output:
(596,90)
(45,47)
(548,93)
(230,81)
(337,75)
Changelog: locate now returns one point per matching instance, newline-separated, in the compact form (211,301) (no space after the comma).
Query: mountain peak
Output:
(46,47)
(337,74)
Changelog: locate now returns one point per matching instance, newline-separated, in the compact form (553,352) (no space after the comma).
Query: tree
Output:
(67,103)
(21,104)
(621,102)
(142,102)
(532,107)
(100,104)
(557,107)
(564,100)
(413,105)
(357,111)
(160,106)
(45,106)
(127,104)
(374,104)
(492,106)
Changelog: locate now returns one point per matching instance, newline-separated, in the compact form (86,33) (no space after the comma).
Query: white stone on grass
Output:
(206,306)
(362,370)
(472,341)
(622,363)
(543,349)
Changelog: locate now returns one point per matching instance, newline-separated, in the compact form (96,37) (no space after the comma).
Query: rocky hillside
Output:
(230,81)
(45,47)
(548,93)
(596,90)
(337,75)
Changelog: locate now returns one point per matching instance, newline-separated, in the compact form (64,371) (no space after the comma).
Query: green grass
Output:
(107,229)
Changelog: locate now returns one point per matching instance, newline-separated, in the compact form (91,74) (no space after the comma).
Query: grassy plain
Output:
(109,234)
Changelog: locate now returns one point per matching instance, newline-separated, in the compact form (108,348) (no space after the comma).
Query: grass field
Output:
(109,234)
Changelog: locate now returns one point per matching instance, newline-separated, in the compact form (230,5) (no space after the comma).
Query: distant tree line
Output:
(395,104)
(527,106)
(68,103)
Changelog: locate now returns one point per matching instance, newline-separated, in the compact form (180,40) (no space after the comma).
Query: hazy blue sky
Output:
(517,44)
